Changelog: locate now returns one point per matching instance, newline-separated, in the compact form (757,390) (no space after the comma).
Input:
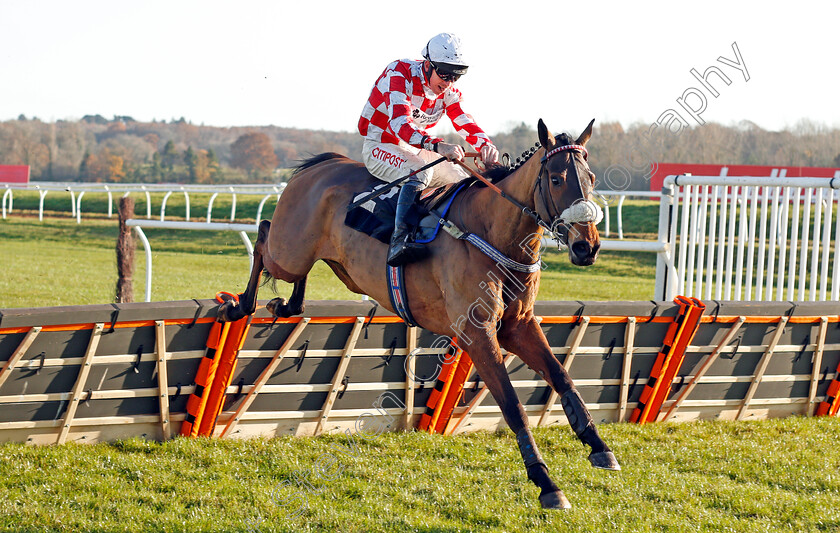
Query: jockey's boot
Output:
(402,250)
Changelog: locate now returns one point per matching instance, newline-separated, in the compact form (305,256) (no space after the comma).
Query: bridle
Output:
(582,211)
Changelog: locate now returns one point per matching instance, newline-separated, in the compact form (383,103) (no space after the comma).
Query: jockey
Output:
(408,98)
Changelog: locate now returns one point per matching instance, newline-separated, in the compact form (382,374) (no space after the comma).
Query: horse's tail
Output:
(268,279)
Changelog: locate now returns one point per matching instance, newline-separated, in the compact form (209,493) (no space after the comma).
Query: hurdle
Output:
(103,372)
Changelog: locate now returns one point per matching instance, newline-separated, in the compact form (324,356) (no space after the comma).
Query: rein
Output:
(581,212)
(523,208)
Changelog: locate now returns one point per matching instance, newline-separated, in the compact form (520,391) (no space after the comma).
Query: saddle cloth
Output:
(376,217)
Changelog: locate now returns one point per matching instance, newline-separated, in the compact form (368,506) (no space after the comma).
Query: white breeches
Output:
(390,162)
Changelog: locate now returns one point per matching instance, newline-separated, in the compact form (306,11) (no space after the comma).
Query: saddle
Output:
(376,217)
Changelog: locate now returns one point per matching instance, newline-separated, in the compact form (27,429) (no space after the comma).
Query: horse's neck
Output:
(505,226)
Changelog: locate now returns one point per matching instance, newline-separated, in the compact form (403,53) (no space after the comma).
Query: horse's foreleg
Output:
(231,311)
(527,341)
(486,355)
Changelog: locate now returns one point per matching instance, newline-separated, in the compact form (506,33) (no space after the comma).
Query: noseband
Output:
(582,211)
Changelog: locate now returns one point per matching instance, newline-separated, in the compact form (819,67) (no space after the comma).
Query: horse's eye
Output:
(555,180)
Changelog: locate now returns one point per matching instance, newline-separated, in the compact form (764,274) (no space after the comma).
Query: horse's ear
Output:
(587,133)
(545,136)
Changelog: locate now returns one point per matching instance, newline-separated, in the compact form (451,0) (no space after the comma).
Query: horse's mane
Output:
(500,172)
(314,160)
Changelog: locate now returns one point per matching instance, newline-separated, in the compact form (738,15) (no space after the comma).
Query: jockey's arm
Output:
(400,122)
(467,128)
(408,132)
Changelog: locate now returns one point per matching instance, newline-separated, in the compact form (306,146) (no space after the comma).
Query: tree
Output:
(169,155)
(95,119)
(28,145)
(253,152)
(287,154)
(155,170)
(103,167)
(191,160)
(115,167)
(84,167)
(206,167)
(153,139)
(116,127)
(212,163)
(70,148)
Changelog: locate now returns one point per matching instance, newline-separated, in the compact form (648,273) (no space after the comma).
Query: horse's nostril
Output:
(581,249)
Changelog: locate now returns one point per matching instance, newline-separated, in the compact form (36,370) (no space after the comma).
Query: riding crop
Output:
(382,190)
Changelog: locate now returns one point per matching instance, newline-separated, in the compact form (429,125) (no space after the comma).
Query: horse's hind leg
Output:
(231,311)
(280,307)
(527,341)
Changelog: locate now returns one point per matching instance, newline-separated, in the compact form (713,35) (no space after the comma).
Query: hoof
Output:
(229,312)
(604,460)
(278,307)
(555,500)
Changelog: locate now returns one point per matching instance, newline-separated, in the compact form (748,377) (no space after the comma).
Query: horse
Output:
(457,287)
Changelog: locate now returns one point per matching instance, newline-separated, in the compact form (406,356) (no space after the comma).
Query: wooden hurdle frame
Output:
(99,373)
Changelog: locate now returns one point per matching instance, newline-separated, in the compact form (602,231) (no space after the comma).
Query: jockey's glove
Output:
(489,154)
(453,152)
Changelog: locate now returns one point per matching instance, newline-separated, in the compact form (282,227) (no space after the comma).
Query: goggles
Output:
(446,74)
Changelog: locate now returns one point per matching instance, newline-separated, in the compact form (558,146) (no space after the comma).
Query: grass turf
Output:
(774,475)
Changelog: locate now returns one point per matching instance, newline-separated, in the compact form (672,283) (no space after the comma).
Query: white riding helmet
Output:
(444,51)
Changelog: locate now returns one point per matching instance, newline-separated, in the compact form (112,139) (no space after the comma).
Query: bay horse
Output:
(444,288)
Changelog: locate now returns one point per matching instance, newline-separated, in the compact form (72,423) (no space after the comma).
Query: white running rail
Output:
(139,224)
(78,189)
(749,238)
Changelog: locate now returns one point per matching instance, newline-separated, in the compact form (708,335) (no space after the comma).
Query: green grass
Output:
(615,276)
(775,475)
(60,262)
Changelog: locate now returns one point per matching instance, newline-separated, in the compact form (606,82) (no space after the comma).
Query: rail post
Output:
(125,253)
(665,287)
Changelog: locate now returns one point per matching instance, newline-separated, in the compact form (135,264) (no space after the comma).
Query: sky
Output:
(312,64)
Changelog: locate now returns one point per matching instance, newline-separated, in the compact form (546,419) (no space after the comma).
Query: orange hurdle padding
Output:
(426,422)
(224,375)
(669,360)
(444,393)
(204,378)
(691,321)
(655,372)
(832,398)
(453,395)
